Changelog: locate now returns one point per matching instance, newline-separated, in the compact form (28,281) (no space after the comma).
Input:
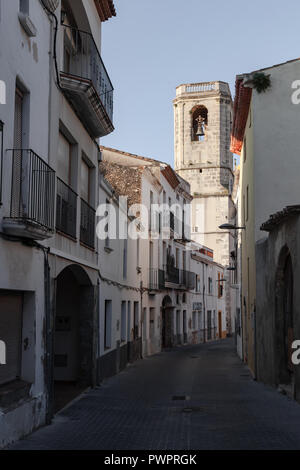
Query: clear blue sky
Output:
(152,46)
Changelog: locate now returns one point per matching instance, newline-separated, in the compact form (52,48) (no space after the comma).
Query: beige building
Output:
(202,120)
(266,136)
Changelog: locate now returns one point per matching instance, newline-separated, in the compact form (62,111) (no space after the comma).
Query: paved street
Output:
(223,408)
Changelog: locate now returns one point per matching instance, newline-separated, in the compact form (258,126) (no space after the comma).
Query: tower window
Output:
(199,123)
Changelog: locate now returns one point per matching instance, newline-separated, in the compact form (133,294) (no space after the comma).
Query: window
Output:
(123,321)
(247,203)
(220,285)
(64,161)
(107,324)
(136,320)
(210,286)
(197,283)
(151,221)
(1,157)
(184,298)
(245,149)
(177,257)
(125,248)
(19,119)
(85,181)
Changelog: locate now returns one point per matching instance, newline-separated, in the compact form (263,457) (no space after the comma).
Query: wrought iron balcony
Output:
(172,274)
(156,279)
(187,279)
(86,83)
(66,209)
(87,224)
(32,197)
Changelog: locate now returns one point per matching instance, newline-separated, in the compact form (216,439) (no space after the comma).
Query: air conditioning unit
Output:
(52,5)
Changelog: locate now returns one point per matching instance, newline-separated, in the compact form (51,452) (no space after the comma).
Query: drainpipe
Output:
(48,340)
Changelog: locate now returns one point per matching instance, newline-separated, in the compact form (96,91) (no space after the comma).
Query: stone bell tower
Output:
(202,119)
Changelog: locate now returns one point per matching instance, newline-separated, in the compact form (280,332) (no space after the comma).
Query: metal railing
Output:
(187,279)
(156,279)
(82,59)
(33,188)
(172,274)
(87,224)
(66,209)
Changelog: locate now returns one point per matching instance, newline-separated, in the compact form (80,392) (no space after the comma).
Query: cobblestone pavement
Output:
(224,408)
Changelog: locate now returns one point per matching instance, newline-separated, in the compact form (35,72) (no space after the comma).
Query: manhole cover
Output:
(194,357)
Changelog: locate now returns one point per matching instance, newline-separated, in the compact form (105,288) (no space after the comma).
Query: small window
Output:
(245,149)
(125,249)
(247,203)
(197,283)
(210,288)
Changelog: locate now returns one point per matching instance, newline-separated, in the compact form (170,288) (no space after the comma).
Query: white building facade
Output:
(58,102)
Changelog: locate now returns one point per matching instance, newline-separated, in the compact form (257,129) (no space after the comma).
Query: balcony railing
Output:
(33,190)
(187,279)
(156,279)
(87,224)
(172,274)
(83,66)
(66,209)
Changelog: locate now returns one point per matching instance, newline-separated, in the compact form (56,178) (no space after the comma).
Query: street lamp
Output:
(231,227)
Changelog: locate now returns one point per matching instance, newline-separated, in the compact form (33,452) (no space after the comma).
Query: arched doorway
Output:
(167,323)
(284,321)
(73,335)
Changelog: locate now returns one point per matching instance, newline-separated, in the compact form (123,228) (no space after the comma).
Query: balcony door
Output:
(64,159)
(17,154)
(18,124)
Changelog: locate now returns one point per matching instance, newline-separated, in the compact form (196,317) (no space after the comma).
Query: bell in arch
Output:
(200,127)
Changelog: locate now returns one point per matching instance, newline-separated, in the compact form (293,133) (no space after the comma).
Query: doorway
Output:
(220,324)
(73,335)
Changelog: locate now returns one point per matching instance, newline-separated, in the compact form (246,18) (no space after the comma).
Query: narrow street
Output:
(143,408)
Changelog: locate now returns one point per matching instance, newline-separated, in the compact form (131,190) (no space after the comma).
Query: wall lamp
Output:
(231,227)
